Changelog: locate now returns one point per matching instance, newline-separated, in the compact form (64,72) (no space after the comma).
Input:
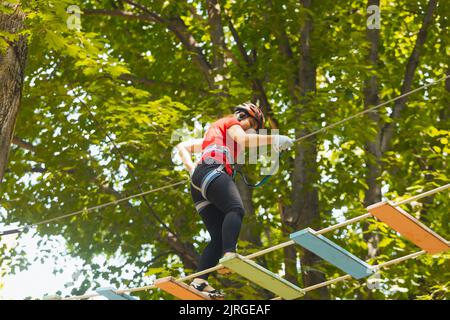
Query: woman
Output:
(213,190)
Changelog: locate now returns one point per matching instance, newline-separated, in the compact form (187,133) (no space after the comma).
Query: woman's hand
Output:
(281,143)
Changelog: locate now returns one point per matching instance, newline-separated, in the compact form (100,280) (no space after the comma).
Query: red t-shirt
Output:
(217,134)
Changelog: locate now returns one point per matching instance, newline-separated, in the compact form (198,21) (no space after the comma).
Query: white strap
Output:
(201,204)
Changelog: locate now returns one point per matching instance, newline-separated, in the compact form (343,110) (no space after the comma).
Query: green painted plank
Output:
(261,276)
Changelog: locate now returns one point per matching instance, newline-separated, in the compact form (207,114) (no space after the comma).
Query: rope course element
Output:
(347,276)
(291,242)
(90,209)
(372,108)
(26,227)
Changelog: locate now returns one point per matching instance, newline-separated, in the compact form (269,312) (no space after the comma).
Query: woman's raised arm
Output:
(186,149)
(244,139)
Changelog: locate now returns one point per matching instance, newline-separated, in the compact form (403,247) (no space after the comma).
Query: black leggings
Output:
(222,216)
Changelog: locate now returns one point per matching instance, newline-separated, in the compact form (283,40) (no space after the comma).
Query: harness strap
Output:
(256,185)
(196,186)
(218,148)
(210,177)
(201,204)
(261,182)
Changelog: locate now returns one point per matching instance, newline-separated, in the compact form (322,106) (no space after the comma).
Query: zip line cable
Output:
(291,242)
(91,208)
(372,108)
(20,229)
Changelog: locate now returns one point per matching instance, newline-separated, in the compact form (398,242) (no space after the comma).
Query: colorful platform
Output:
(409,227)
(110,294)
(331,252)
(179,289)
(261,276)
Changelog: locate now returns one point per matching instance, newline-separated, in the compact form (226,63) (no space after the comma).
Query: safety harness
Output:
(221,149)
(211,176)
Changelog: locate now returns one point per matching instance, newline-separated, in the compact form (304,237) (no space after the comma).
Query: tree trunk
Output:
(217,35)
(290,253)
(305,208)
(12,71)
(251,231)
(373,148)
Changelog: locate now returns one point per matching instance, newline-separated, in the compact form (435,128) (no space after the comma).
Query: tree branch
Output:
(285,49)
(216,33)
(155,16)
(177,26)
(411,67)
(239,42)
(23,144)
(186,251)
(257,84)
(149,82)
(119,13)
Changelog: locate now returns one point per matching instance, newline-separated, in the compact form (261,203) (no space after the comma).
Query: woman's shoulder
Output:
(226,122)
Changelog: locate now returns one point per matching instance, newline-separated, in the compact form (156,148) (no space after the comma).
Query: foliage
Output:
(100,106)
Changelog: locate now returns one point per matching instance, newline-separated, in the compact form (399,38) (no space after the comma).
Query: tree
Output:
(102,102)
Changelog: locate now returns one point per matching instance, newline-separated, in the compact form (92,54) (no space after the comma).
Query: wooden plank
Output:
(52,297)
(179,289)
(261,276)
(331,252)
(110,294)
(409,227)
